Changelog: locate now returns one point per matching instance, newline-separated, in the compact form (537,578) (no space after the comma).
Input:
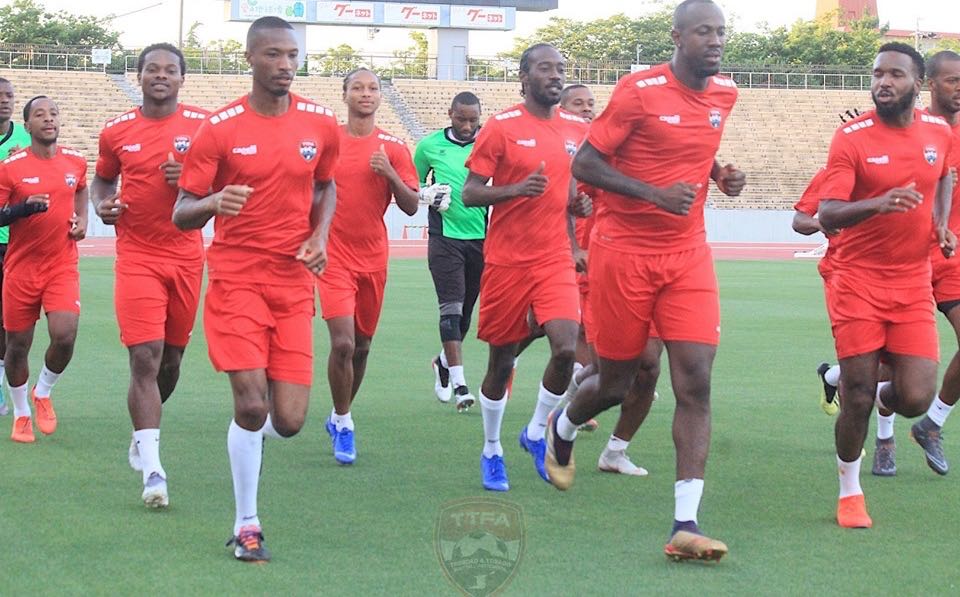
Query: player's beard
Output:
(897,108)
(543,99)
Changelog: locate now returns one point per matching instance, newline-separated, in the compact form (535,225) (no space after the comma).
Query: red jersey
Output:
(657,130)
(40,243)
(809,202)
(133,146)
(358,236)
(280,157)
(868,158)
(954,162)
(510,146)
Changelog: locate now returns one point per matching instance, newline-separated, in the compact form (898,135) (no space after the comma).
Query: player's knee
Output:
(914,401)
(450,330)
(342,348)
(288,425)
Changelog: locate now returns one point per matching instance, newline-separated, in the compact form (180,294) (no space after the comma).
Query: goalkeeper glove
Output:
(436,196)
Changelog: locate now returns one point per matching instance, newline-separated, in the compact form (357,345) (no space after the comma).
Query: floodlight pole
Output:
(180,36)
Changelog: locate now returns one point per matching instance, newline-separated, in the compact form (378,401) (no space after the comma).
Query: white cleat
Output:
(443,392)
(618,462)
(133,455)
(464,399)
(155,492)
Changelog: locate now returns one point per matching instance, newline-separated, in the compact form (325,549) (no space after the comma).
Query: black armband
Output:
(11,213)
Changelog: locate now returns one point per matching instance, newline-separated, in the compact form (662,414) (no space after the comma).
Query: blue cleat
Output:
(493,471)
(536,449)
(331,430)
(344,450)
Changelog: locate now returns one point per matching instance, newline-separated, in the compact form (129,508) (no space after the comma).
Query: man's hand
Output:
(535,184)
(899,200)
(171,170)
(78,227)
(581,206)
(731,180)
(436,196)
(313,254)
(580,259)
(230,200)
(678,198)
(38,203)
(110,209)
(947,241)
(380,162)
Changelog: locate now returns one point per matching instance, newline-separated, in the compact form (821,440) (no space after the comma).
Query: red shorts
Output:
(260,326)
(507,293)
(344,293)
(156,301)
(867,316)
(946,278)
(629,292)
(25,295)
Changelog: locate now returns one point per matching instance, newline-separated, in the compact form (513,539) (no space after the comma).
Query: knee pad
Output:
(450,328)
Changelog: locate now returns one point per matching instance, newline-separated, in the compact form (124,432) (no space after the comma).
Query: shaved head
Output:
(681,16)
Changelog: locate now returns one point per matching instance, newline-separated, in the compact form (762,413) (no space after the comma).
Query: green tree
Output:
(27,22)
(412,61)
(336,61)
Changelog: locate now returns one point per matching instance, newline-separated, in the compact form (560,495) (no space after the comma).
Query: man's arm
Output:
(407,199)
(78,223)
(835,213)
(191,212)
(476,192)
(31,205)
(946,239)
(805,224)
(313,252)
(590,167)
(106,200)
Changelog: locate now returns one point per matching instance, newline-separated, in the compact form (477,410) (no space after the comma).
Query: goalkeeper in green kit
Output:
(455,246)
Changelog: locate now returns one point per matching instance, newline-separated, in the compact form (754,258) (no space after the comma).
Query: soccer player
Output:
(652,153)
(578,99)
(374,166)
(888,185)
(455,244)
(526,151)
(262,166)
(40,268)
(159,267)
(13,138)
(943,78)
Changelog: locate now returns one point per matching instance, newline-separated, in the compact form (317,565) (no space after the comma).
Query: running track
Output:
(407,249)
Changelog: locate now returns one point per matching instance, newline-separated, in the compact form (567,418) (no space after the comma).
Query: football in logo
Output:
(308,149)
(715,118)
(930,154)
(181,143)
(71,180)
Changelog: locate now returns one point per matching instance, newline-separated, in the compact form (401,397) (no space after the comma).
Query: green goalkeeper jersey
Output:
(440,158)
(15,139)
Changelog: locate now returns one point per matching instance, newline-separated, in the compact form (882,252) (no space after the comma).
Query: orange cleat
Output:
(23,430)
(46,417)
(852,513)
(685,545)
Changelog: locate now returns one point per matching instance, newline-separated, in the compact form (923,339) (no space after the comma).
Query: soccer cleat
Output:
(344,450)
(441,381)
(558,462)
(536,449)
(685,545)
(829,398)
(590,425)
(23,430)
(852,512)
(133,455)
(155,492)
(248,545)
(493,473)
(885,458)
(617,461)
(929,436)
(464,398)
(46,417)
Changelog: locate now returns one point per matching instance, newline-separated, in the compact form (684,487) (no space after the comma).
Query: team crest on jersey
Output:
(930,154)
(715,118)
(181,143)
(571,147)
(308,149)
(71,180)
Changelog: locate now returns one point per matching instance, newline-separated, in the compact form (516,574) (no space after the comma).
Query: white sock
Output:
(21,406)
(245,449)
(148,444)
(686,496)
(572,387)
(456,376)
(849,477)
(443,359)
(3,372)
(615,444)
(546,402)
(45,382)
(492,418)
(939,411)
(342,421)
(268,429)
(880,387)
(885,425)
(832,376)
(566,429)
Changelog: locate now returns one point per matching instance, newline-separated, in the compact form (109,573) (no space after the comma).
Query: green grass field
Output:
(72,521)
